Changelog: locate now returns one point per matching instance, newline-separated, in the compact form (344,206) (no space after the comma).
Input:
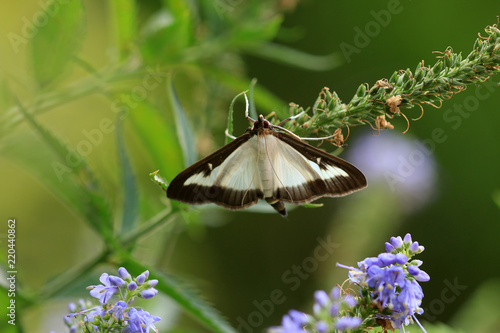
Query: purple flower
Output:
(124,273)
(321,298)
(71,307)
(347,323)
(322,327)
(405,167)
(389,247)
(117,281)
(140,321)
(104,291)
(118,310)
(153,283)
(407,239)
(335,293)
(293,322)
(350,301)
(414,247)
(387,259)
(391,280)
(397,242)
(408,303)
(401,258)
(149,293)
(141,278)
(132,286)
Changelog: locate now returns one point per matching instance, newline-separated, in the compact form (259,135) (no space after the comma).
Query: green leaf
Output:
(230,116)
(56,42)
(253,111)
(130,194)
(124,18)
(184,130)
(185,296)
(296,58)
(168,33)
(66,174)
(158,138)
(265,100)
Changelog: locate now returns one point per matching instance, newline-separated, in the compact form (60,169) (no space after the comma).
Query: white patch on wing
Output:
(292,169)
(237,172)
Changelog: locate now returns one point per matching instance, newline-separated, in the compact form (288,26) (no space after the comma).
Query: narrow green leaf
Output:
(296,58)
(230,116)
(57,41)
(124,20)
(167,33)
(253,109)
(130,194)
(265,100)
(184,130)
(68,168)
(185,297)
(158,138)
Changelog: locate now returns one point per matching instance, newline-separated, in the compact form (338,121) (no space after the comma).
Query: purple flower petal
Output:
(322,327)
(397,242)
(414,270)
(413,247)
(389,247)
(407,239)
(321,298)
(347,323)
(422,276)
(147,294)
(124,273)
(117,281)
(140,279)
(153,283)
(387,259)
(401,258)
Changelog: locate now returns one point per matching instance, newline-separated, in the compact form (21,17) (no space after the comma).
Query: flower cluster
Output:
(426,85)
(389,282)
(390,295)
(117,317)
(332,312)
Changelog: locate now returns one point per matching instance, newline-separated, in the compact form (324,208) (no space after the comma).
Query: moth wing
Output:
(304,173)
(228,177)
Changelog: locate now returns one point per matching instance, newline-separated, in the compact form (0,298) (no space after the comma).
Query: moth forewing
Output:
(265,163)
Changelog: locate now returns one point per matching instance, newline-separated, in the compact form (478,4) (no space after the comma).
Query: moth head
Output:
(261,123)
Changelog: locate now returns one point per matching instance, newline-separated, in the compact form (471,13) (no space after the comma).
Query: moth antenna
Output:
(319,139)
(291,118)
(289,132)
(229,135)
(246,108)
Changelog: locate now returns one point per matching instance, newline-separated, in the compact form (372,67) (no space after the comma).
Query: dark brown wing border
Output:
(333,187)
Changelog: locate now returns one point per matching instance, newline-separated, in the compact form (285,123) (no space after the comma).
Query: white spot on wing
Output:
(237,172)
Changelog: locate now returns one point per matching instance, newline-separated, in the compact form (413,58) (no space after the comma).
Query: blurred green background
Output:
(212,50)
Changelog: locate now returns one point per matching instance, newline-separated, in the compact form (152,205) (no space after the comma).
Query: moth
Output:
(267,162)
